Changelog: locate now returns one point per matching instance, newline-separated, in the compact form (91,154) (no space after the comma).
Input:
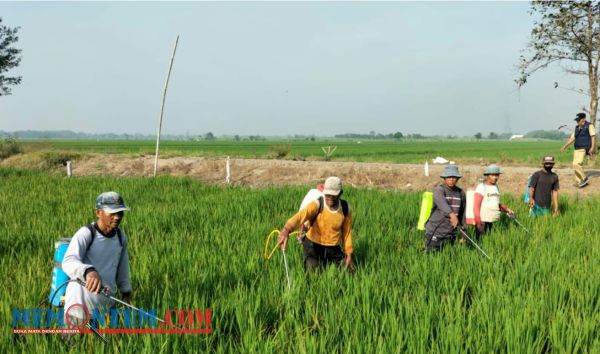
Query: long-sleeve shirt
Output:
(106,255)
(445,202)
(330,228)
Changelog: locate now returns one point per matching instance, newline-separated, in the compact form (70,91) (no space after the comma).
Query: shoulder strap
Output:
(90,227)
(344,207)
(312,221)
(119,236)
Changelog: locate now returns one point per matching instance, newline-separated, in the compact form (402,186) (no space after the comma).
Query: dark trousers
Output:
(316,255)
(487,227)
(436,243)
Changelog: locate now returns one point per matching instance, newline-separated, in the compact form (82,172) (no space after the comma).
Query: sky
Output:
(280,68)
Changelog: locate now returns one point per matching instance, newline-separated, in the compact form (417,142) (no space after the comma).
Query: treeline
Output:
(70,135)
(547,134)
(373,135)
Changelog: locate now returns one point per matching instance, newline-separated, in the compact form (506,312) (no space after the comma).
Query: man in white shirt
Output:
(486,203)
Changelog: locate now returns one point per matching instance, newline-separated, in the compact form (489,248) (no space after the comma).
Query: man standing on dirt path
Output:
(543,190)
(486,201)
(97,255)
(448,211)
(584,137)
(330,220)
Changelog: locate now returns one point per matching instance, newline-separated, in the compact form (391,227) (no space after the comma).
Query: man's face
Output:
(331,200)
(581,122)
(109,221)
(451,181)
(492,179)
(548,166)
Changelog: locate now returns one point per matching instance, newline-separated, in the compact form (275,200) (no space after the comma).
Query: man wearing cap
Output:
(447,213)
(97,255)
(584,138)
(486,201)
(330,220)
(543,190)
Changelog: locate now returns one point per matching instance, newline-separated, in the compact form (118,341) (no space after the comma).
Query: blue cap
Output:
(111,202)
(579,116)
(451,171)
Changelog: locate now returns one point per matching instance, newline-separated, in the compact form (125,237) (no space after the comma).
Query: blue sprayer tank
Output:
(58,275)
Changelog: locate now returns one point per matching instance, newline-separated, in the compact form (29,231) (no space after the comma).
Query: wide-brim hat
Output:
(451,171)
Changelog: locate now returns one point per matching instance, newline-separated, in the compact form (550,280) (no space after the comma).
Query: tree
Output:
(209,136)
(9,58)
(493,136)
(567,34)
(398,135)
(478,136)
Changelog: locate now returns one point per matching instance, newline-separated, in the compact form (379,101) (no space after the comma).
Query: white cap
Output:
(333,186)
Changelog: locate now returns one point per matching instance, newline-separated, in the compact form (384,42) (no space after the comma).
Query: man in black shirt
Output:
(543,190)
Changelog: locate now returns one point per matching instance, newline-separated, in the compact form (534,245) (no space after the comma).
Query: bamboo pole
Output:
(162,107)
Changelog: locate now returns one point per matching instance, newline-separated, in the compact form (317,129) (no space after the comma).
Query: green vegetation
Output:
(461,151)
(9,146)
(199,246)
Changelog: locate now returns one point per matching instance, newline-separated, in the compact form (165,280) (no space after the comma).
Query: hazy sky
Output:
(280,68)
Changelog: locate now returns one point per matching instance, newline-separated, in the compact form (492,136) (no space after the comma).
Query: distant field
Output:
(462,151)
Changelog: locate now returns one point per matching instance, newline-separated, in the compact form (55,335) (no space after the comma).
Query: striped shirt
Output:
(445,201)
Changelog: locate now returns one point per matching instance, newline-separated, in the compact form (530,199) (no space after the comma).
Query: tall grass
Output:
(199,246)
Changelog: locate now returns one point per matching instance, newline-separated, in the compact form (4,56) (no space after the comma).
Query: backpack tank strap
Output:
(90,227)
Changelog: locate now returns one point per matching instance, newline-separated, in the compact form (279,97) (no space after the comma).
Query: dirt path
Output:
(260,173)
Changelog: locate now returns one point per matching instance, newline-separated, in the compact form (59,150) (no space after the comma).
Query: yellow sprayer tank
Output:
(426,205)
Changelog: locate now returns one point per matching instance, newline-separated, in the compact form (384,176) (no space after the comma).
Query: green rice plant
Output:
(200,246)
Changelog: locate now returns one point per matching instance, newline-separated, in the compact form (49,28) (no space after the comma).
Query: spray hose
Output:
(267,257)
(273,233)
(105,292)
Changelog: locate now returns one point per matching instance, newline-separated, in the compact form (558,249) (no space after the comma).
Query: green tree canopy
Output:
(9,58)
(565,33)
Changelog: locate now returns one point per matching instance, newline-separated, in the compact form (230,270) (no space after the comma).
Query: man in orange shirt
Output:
(330,221)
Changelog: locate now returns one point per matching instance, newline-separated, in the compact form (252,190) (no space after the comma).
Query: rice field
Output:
(525,152)
(200,246)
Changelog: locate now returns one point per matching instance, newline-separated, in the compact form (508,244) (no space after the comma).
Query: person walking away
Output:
(543,190)
(447,213)
(584,138)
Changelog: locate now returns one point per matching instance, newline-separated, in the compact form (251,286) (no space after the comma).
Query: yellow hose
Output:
(274,232)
